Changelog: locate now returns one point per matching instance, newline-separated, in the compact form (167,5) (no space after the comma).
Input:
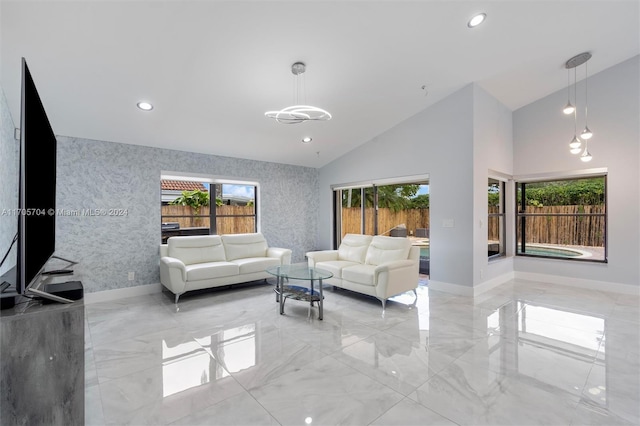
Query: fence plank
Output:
(565,230)
(224,225)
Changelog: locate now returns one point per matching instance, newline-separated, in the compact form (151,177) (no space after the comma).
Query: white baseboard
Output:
(492,283)
(121,293)
(461,290)
(579,283)
(457,289)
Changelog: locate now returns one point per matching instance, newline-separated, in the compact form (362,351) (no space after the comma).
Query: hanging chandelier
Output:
(298,113)
(575,146)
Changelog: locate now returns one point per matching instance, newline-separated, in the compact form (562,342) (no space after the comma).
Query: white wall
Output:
(492,150)
(541,138)
(437,141)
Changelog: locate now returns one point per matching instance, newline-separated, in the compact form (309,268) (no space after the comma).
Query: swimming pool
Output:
(533,250)
(550,251)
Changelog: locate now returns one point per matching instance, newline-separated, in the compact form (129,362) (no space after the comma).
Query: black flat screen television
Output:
(37,186)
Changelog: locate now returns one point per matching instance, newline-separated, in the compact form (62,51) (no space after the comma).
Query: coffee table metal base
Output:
(299,293)
(301,272)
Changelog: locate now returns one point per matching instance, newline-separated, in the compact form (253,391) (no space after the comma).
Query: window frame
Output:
(213,181)
(502,214)
(518,213)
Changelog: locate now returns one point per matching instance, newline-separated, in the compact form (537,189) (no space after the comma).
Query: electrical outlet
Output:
(132,276)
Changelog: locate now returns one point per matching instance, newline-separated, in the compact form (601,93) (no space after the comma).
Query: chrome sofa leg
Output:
(384,304)
(176,298)
(415,293)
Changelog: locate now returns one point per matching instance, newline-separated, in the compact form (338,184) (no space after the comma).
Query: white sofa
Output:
(197,262)
(378,266)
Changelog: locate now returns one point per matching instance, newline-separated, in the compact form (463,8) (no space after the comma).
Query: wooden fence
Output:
(387,220)
(237,224)
(565,230)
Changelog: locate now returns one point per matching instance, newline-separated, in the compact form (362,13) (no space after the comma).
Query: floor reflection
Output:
(523,353)
(186,366)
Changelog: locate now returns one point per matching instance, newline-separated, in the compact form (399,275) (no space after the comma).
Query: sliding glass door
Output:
(397,210)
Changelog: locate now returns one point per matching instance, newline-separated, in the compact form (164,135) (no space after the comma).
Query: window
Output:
(562,219)
(186,207)
(496,220)
(397,209)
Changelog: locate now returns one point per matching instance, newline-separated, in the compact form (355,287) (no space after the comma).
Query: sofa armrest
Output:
(396,277)
(321,256)
(281,253)
(173,274)
(394,264)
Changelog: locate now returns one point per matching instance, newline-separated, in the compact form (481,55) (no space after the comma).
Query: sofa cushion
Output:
(361,274)
(250,265)
(209,270)
(386,249)
(196,249)
(335,266)
(354,247)
(239,246)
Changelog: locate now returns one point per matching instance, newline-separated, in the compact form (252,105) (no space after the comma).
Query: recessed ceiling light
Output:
(476,20)
(145,106)
(306,139)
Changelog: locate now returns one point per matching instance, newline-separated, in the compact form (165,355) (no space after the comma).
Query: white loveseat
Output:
(378,266)
(197,262)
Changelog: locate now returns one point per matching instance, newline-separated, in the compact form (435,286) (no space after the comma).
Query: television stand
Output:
(59,272)
(49,291)
(71,290)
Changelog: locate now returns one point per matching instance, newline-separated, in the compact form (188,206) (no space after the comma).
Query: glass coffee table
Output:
(299,271)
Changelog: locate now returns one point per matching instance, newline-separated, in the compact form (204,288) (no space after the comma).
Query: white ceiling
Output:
(213,68)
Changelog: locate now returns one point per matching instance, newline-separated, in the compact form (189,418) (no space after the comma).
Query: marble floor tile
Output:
(409,413)
(330,335)
(129,322)
(93,415)
(585,415)
(90,371)
(326,392)
(124,357)
(393,361)
(525,352)
(611,388)
(257,353)
(469,395)
(188,382)
(241,409)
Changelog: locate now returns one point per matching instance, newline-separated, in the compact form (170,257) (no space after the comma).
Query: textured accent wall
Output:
(106,175)
(9,159)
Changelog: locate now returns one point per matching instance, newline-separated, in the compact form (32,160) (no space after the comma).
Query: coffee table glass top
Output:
(299,271)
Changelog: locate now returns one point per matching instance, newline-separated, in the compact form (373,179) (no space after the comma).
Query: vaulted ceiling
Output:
(212,68)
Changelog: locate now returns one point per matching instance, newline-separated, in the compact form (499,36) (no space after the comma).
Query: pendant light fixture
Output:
(298,113)
(586,155)
(575,146)
(586,133)
(569,108)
